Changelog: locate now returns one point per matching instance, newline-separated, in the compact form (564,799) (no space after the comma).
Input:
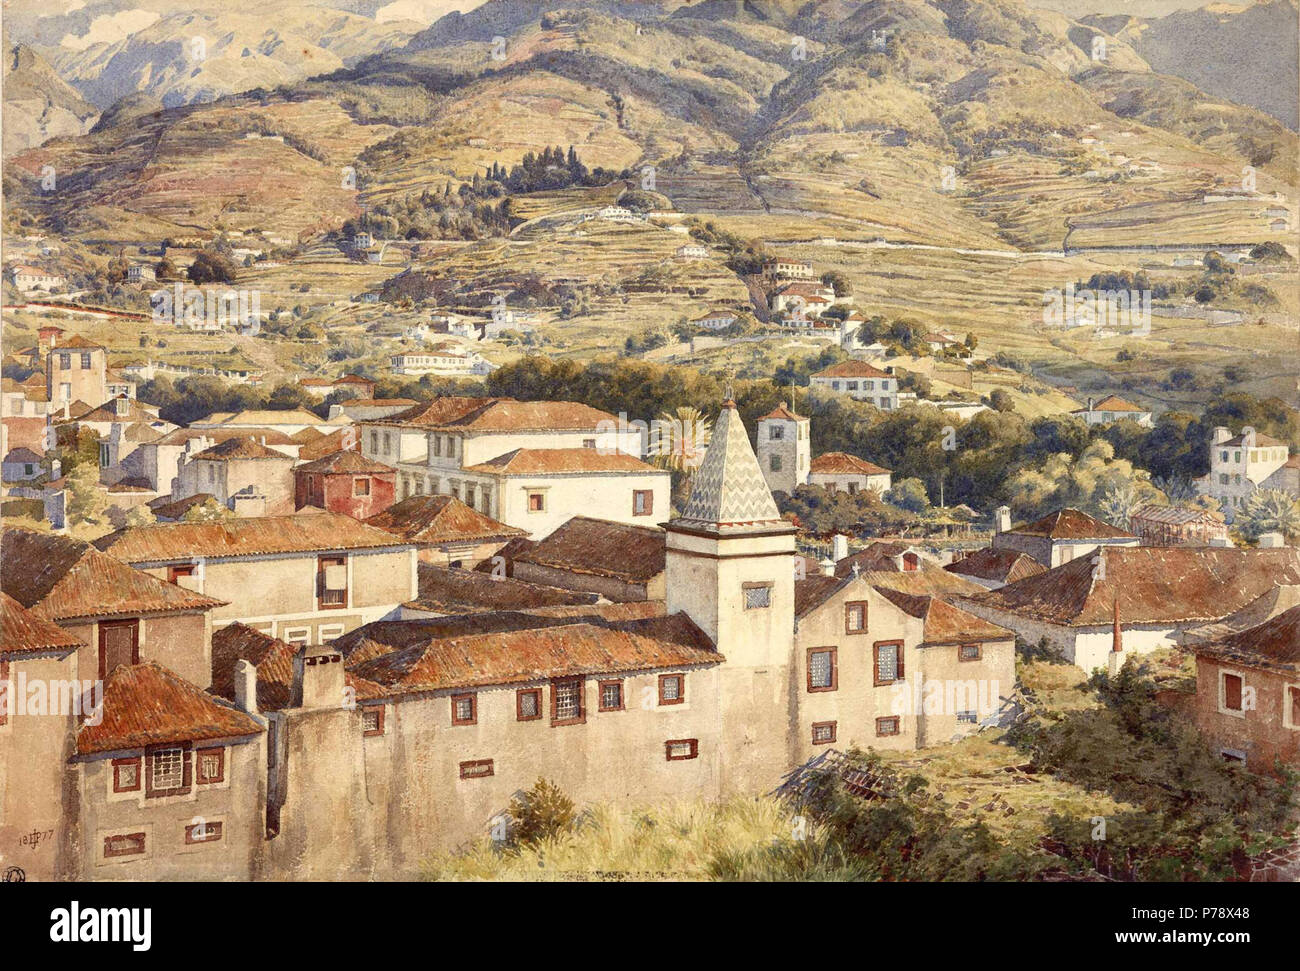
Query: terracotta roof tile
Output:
(25,633)
(1072,524)
(1153,585)
(852,369)
(241,447)
(145,704)
(345,462)
(244,537)
(783,412)
(1110,403)
(273,659)
(560,461)
(634,554)
(440,519)
(1274,644)
(61,578)
(814,590)
(520,656)
(179,436)
(841,463)
(1004,566)
(453,591)
(945,623)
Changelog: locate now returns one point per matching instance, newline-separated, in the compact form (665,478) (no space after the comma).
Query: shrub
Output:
(542,813)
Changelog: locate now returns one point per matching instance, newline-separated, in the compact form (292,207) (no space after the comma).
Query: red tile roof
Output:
(25,633)
(61,578)
(841,463)
(145,704)
(852,369)
(500,414)
(783,412)
(1110,403)
(560,461)
(345,462)
(1152,584)
(273,659)
(1004,566)
(453,591)
(1274,644)
(1072,524)
(600,547)
(814,590)
(180,436)
(77,342)
(944,623)
(440,519)
(242,447)
(244,537)
(520,656)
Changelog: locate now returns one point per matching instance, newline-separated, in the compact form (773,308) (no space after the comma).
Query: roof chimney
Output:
(1002,520)
(839,547)
(827,566)
(1221,435)
(246,685)
(318,677)
(1091,402)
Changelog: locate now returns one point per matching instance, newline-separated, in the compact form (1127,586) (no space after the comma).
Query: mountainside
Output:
(38,104)
(200,56)
(1246,54)
(975,123)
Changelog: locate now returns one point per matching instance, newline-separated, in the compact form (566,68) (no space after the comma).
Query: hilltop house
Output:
(841,472)
(446,360)
(1243,463)
(778,268)
(1058,537)
(1110,409)
(34,280)
(860,381)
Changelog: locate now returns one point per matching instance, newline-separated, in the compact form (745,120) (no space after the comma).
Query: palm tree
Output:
(1269,511)
(679,438)
(1119,503)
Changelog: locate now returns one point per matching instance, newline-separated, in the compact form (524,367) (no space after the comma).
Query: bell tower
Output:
(730,568)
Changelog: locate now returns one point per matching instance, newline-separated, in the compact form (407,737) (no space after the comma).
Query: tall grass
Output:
(742,839)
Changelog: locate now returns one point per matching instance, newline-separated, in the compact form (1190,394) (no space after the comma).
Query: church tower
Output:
(784,449)
(730,568)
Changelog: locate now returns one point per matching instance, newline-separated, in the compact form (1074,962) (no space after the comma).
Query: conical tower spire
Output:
(728,488)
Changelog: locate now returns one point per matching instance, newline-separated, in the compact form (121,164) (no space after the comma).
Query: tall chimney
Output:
(827,567)
(839,547)
(1002,520)
(1221,435)
(318,677)
(246,686)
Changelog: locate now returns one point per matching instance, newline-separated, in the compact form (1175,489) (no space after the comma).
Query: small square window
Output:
(588,443)
(536,502)
(968,652)
(202,832)
(672,689)
(124,844)
(774,463)
(776,433)
(611,696)
(361,487)
(887,726)
(758,596)
(528,704)
(126,775)
(168,771)
(210,765)
(855,617)
(823,733)
(372,720)
(643,502)
(681,749)
(464,711)
(478,769)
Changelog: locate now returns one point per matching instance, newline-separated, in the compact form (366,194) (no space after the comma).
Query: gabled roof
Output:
(345,461)
(164,507)
(1004,566)
(105,412)
(783,412)
(77,342)
(852,369)
(499,414)
(1071,524)
(179,436)
(1261,441)
(841,463)
(261,416)
(319,444)
(440,519)
(944,623)
(252,536)
(22,454)
(929,580)
(542,653)
(25,633)
(273,659)
(1267,605)
(241,447)
(814,590)
(1152,585)
(61,578)
(453,591)
(600,547)
(1110,403)
(560,461)
(1274,644)
(728,488)
(145,704)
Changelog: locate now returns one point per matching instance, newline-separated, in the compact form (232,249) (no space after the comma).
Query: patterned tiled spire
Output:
(728,488)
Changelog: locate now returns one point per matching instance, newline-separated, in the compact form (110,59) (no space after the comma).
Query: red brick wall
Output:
(338,497)
(1261,733)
